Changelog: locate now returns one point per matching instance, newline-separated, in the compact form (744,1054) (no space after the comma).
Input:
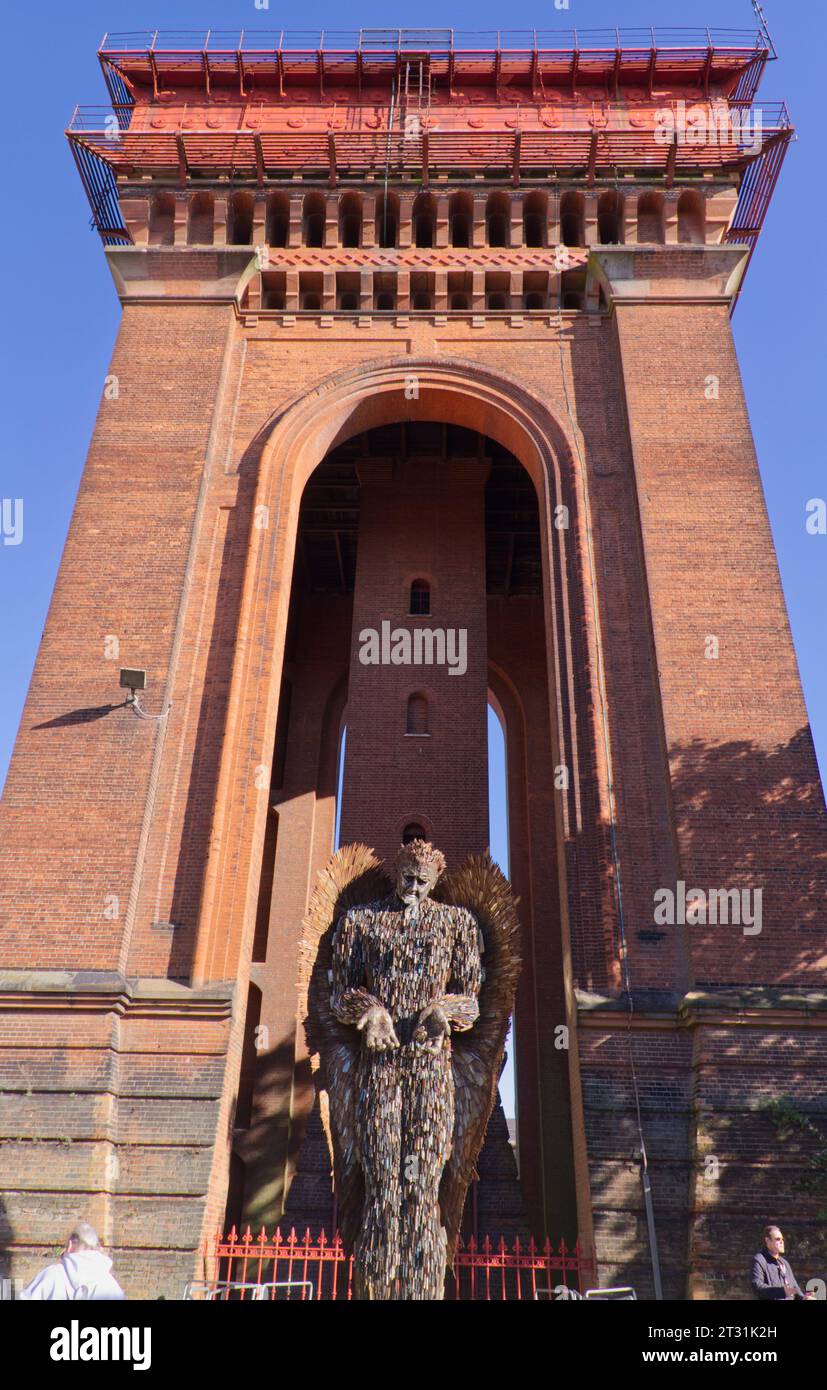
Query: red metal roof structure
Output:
(533,105)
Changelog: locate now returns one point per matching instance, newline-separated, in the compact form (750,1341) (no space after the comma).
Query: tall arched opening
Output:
(409,427)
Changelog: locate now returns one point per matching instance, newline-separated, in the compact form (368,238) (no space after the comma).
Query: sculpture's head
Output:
(419,867)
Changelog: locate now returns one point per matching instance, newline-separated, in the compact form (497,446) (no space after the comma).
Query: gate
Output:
(300,1268)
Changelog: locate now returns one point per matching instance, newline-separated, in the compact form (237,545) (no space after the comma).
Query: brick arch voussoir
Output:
(453,390)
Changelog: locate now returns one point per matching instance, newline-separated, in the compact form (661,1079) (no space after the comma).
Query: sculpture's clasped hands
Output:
(433,1026)
(377,1026)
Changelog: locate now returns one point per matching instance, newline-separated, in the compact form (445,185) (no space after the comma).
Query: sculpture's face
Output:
(413,883)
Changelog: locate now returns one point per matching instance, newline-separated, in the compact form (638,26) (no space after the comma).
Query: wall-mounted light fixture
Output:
(133,679)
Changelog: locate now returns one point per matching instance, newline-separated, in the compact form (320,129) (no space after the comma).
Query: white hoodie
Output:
(83,1274)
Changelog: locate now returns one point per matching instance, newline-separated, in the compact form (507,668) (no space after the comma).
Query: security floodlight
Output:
(133,680)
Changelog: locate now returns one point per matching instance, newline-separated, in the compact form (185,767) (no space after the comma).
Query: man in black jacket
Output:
(772,1275)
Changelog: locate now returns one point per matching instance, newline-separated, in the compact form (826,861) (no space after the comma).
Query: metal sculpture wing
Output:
(477,1055)
(355,876)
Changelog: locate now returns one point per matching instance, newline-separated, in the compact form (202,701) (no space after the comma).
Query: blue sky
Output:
(62,313)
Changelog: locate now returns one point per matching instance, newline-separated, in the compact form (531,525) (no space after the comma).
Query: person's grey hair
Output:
(85,1235)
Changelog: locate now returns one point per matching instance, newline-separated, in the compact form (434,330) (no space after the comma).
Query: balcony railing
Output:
(269,151)
(434,41)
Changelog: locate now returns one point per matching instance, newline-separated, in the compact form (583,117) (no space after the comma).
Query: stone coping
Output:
(674,1004)
(105,990)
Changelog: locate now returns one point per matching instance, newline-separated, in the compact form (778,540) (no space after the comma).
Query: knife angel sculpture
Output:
(407,984)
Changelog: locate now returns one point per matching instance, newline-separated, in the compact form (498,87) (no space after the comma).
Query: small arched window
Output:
(350,220)
(424,220)
(240,220)
(162,220)
(535,219)
(413,831)
(313,220)
(460,219)
(387,219)
(417,722)
(200,228)
(420,598)
(609,218)
(572,219)
(691,218)
(277,224)
(650,223)
(460,230)
(497,218)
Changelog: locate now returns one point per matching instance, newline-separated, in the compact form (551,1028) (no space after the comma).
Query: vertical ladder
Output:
(415,91)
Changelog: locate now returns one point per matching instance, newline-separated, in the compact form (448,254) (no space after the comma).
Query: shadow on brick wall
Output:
(752,819)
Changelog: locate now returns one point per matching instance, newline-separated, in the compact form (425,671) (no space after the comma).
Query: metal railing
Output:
(768,116)
(208,1291)
(484,1271)
(373,41)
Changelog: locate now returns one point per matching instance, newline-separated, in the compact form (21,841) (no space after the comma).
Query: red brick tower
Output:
(423,330)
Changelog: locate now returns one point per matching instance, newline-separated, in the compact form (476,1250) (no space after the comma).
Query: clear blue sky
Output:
(62,313)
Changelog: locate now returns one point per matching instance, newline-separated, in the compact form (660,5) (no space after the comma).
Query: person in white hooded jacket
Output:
(83,1271)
